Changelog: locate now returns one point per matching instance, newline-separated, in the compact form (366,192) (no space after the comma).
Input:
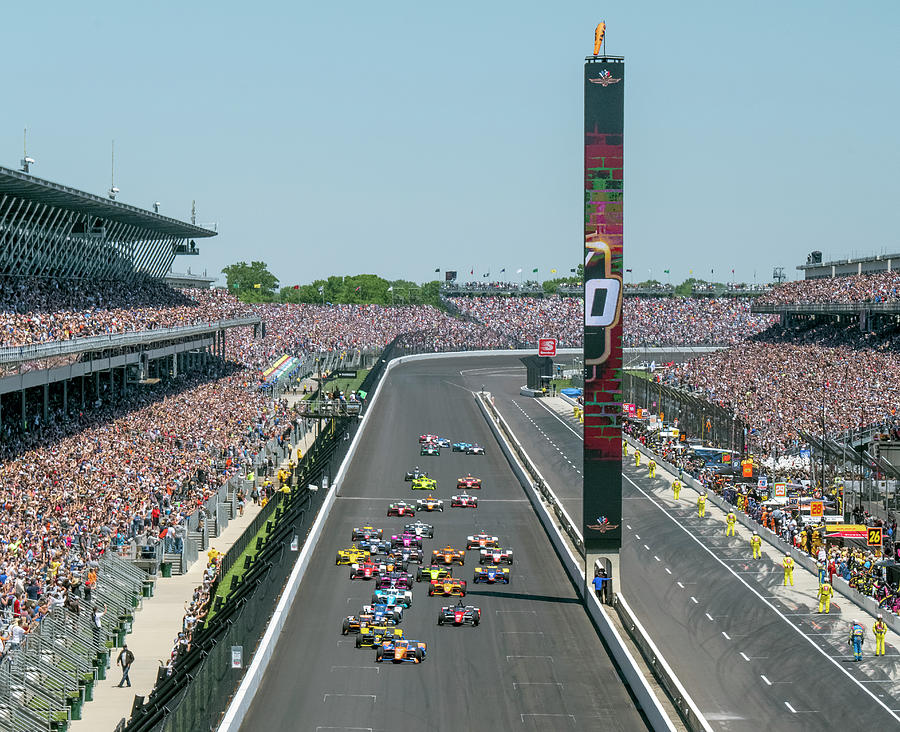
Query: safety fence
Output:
(45,680)
(696,416)
(196,692)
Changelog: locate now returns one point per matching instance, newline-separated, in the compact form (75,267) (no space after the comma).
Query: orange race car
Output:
(448,555)
(447,587)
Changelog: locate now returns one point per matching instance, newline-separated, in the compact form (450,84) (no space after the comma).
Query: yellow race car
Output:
(353,555)
(371,636)
(424,484)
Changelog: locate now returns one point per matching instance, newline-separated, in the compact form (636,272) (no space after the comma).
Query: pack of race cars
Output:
(383,557)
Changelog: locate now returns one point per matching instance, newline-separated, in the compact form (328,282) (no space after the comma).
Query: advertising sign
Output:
(604,116)
(780,490)
(547,347)
(237,656)
(816,509)
(875,537)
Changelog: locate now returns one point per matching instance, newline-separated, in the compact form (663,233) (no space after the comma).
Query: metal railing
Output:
(830,308)
(15,354)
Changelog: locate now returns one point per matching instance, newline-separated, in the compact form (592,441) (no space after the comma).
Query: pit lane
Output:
(534,663)
(731,648)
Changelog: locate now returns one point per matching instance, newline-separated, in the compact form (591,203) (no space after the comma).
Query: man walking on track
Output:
(730,519)
(676,488)
(701,505)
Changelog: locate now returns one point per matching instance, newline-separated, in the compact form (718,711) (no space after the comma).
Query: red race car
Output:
(464,500)
(401,508)
(468,482)
(365,570)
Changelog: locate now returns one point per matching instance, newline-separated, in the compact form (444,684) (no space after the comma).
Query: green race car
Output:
(424,484)
(434,572)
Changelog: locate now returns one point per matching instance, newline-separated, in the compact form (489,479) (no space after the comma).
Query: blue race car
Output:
(392,597)
(461,446)
(442,442)
(375,546)
(491,574)
(382,614)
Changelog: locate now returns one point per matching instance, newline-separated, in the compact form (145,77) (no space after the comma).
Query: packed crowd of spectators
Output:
(44,310)
(125,474)
(647,321)
(496,285)
(782,383)
(528,318)
(876,287)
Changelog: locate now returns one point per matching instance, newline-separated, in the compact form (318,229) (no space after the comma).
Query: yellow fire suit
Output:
(651,466)
(676,488)
(730,520)
(880,629)
(756,545)
(701,505)
(788,564)
(825,593)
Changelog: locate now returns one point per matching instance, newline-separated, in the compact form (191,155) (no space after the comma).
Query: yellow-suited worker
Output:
(880,630)
(637,458)
(788,564)
(756,545)
(676,488)
(730,520)
(825,593)
(651,466)
(624,448)
(701,505)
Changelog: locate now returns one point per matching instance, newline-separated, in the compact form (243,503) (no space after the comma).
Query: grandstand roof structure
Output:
(51,230)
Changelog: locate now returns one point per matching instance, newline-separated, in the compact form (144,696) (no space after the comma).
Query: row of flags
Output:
(518,271)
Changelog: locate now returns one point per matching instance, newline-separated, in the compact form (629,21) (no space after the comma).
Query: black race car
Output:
(411,475)
(459,614)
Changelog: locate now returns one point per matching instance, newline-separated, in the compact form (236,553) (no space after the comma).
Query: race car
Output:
(434,572)
(468,481)
(447,587)
(430,504)
(365,570)
(406,540)
(403,555)
(401,651)
(463,500)
(427,438)
(481,541)
(376,546)
(401,508)
(391,564)
(420,528)
(448,555)
(424,484)
(460,446)
(475,450)
(459,614)
(430,449)
(491,574)
(351,556)
(392,598)
(352,623)
(366,532)
(495,555)
(382,614)
(372,636)
(441,442)
(395,581)
(415,473)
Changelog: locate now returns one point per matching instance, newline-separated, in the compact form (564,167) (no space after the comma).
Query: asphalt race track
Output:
(738,657)
(534,663)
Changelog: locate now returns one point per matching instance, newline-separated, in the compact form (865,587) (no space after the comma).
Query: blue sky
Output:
(337,138)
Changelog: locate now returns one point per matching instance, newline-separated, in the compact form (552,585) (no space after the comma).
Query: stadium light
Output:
(112,192)
(156,207)
(26,162)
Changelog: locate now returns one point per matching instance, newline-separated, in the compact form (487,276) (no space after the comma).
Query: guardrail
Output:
(827,308)
(16,354)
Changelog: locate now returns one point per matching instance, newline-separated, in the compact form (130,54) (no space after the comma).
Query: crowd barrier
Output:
(800,557)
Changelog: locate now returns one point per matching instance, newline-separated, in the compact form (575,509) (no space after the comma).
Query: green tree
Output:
(243,278)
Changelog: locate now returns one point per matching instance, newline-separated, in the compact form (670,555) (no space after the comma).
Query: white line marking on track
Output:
(517,684)
(362,696)
(711,619)
(533,612)
(694,600)
(550,657)
(561,421)
(787,704)
(727,637)
(569,716)
(628,526)
(769,683)
(525,632)
(637,536)
(668,571)
(834,661)
(376,669)
(745,657)
(656,558)
(680,585)
(646,547)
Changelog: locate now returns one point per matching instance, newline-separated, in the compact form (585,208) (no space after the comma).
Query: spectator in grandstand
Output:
(872,288)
